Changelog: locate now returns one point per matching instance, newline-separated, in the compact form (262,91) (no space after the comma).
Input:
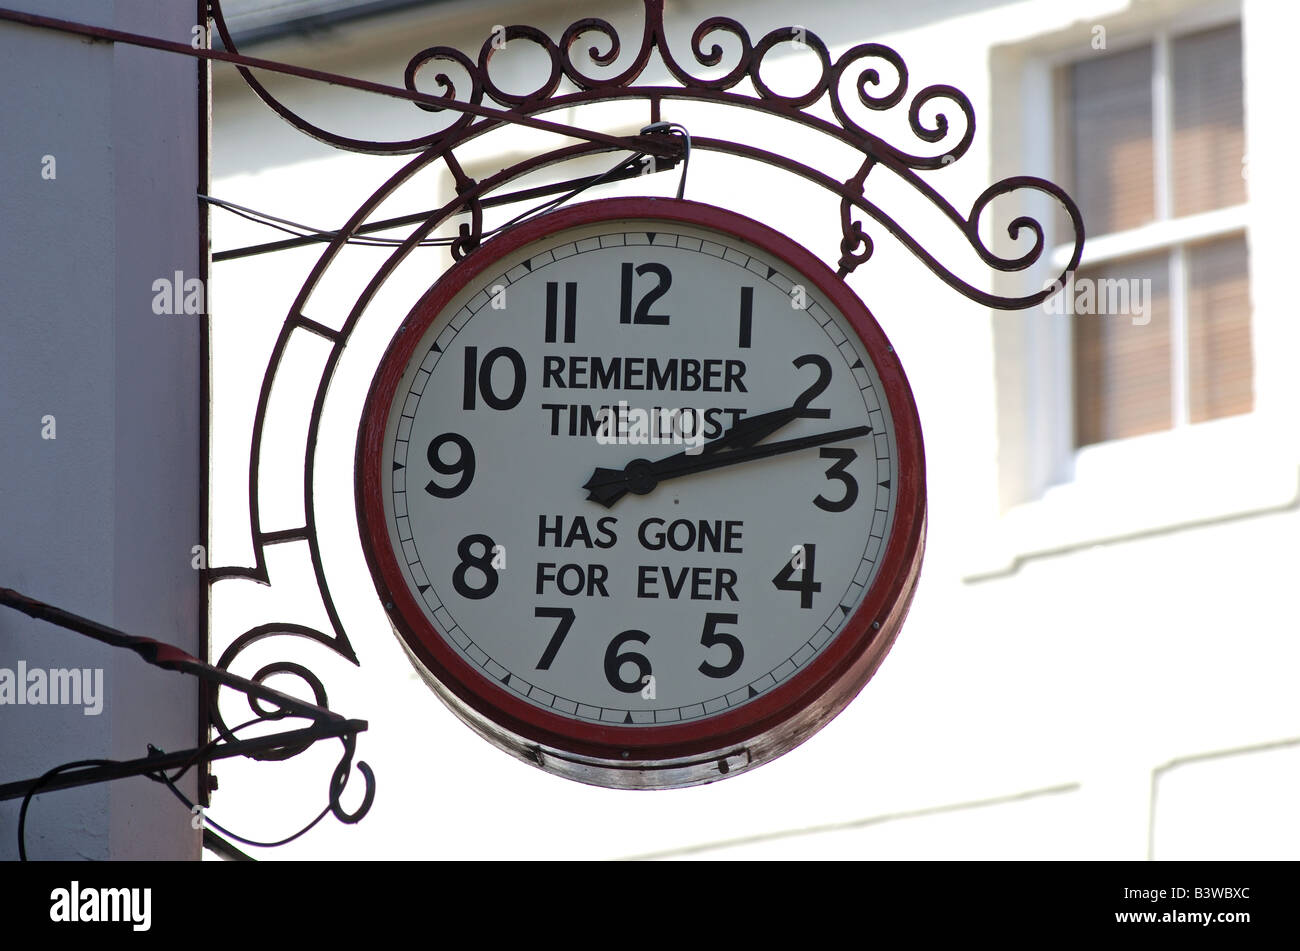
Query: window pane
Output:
(1208,137)
(1122,368)
(1220,360)
(1108,100)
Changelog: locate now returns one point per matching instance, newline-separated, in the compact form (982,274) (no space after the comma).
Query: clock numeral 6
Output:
(614,662)
(807,585)
(462,466)
(642,314)
(482,563)
(478,379)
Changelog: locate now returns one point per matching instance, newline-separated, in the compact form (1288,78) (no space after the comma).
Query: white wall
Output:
(1038,697)
(101,519)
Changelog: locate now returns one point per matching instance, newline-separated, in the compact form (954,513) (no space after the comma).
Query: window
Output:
(1151,144)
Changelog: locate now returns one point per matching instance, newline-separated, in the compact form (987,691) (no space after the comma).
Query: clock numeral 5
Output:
(478,379)
(808,584)
(712,636)
(463,465)
(642,314)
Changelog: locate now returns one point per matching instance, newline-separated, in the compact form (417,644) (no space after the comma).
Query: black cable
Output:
(35,788)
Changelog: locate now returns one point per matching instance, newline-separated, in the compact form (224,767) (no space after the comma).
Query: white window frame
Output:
(1062,497)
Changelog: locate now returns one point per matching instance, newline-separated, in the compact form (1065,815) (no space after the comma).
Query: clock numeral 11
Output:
(553,308)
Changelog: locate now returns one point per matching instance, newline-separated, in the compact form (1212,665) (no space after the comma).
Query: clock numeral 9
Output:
(482,563)
(807,585)
(642,314)
(478,379)
(463,465)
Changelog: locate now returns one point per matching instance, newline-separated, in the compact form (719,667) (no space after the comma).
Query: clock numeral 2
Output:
(819,385)
(478,379)
(808,584)
(553,307)
(642,314)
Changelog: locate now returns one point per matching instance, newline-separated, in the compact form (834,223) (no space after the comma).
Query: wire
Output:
(35,788)
(307,231)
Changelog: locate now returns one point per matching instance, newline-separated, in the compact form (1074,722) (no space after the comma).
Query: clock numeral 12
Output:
(642,314)
(553,307)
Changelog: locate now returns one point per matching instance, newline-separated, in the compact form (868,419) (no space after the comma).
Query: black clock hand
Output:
(607,486)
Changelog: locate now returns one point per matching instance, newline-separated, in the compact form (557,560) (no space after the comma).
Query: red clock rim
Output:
(834,676)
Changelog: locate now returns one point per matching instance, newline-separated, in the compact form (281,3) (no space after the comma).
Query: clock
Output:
(641,486)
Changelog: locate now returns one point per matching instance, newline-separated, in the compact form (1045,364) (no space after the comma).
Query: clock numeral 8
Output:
(483,563)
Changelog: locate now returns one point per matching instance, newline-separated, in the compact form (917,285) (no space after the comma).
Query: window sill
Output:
(1161,482)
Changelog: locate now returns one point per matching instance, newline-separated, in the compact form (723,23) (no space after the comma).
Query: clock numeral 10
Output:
(553,308)
(478,379)
(642,313)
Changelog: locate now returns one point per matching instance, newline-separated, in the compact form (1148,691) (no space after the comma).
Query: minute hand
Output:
(603,481)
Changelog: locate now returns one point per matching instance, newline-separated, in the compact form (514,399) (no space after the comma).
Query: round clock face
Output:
(641,486)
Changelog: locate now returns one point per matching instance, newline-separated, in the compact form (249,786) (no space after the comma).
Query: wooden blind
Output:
(1122,370)
(1220,356)
(1110,153)
(1208,136)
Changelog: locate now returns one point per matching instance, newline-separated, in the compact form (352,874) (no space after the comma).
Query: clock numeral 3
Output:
(553,308)
(843,458)
(464,465)
(712,636)
(807,585)
(478,379)
(614,662)
(642,314)
(482,563)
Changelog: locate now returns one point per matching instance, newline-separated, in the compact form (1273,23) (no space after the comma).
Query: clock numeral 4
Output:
(804,563)
(462,466)
(480,563)
(642,313)
(843,458)
(553,308)
(478,379)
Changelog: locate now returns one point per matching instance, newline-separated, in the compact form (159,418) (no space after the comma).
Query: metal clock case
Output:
(641,486)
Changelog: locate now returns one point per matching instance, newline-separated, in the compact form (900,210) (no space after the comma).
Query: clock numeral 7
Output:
(642,314)
(805,562)
(565,616)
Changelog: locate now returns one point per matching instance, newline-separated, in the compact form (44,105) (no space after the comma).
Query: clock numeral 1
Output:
(746,316)
(565,616)
(807,585)
(712,636)
(478,379)
(481,563)
(642,314)
(614,662)
(843,458)
(553,307)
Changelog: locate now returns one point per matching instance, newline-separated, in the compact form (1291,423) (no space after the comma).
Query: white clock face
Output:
(667,591)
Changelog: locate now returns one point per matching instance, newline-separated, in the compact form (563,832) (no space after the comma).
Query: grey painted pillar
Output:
(99,165)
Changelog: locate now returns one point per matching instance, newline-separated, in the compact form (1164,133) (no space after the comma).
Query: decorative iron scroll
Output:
(876,78)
